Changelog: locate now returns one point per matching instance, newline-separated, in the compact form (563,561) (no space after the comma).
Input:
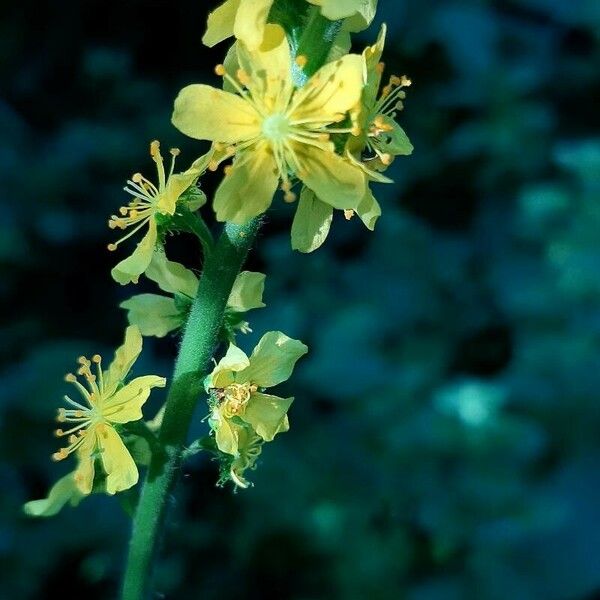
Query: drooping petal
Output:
(220,23)
(272,360)
(207,113)
(225,434)
(121,471)
(250,21)
(331,92)
(369,210)
(124,358)
(224,373)
(171,277)
(126,404)
(154,315)
(247,191)
(372,55)
(269,68)
(266,413)
(311,222)
(342,9)
(334,180)
(63,491)
(129,269)
(84,473)
(247,291)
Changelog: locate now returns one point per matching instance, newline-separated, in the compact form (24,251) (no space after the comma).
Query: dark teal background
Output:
(445,440)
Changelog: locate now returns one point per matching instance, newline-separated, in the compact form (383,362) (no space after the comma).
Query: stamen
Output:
(220,70)
(301,60)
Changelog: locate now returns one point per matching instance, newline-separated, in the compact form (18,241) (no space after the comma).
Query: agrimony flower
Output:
(105,402)
(237,385)
(275,132)
(157,315)
(149,204)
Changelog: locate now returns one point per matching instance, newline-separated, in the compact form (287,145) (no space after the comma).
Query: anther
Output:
(386,159)
(96,358)
(227,170)
(70,378)
(111,247)
(242,76)
(136,178)
(175,152)
(213,165)
(301,60)
(220,70)
(380,67)
(289,197)
(59,433)
(348,213)
(154,148)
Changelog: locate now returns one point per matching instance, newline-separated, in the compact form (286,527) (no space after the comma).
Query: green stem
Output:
(197,347)
(194,223)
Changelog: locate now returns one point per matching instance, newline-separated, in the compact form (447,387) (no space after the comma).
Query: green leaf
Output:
(247,292)
(311,222)
(273,359)
(154,315)
(171,277)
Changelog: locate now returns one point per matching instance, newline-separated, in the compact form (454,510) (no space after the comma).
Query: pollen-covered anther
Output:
(220,70)
(386,159)
(155,149)
(174,152)
(242,77)
(58,433)
(289,197)
(96,358)
(355,131)
(227,170)
(348,213)
(60,455)
(213,165)
(70,378)
(137,178)
(301,60)
(111,247)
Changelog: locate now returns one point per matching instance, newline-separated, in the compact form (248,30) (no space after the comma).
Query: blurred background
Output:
(445,439)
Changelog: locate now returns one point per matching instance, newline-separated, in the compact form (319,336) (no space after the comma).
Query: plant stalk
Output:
(193,361)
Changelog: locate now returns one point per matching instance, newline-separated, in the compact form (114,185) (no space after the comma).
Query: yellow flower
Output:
(276,132)
(380,135)
(237,383)
(149,203)
(105,402)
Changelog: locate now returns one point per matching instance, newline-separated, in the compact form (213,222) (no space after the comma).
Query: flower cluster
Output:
(316,131)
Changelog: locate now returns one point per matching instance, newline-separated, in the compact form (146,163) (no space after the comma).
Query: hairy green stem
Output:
(197,347)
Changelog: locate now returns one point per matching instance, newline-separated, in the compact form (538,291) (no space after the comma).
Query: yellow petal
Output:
(247,191)
(269,68)
(369,210)
(332,91)
(372,55)
(224,373)
(84,473)
(334,180)
(171,277)
(63,491)
(124,358)
(133,266)
(247,291)
(250,21)
(311,222)
(220,23)
(121,471)
(126,404)
(266,414)
(225,435)
(207,113)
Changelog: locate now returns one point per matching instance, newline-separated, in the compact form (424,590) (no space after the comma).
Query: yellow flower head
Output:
(237,383)
(276,133)
(105,401)
(149,201)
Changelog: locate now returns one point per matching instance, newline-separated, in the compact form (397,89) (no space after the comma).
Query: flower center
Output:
(235,398)
(276,127)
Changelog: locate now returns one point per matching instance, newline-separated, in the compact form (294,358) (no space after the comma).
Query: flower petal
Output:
(272,360)
(63,491)
(311,222)
(269,67)
(121,471)
(247,191)
(129,269)
(235,360)
(154,315)
(250,21)
(369,210)
(334,180)
(395,141)
(220,23)
(171,277)
(331,92)
(226,434)
(85,471)
(207,113)
(372,55)
(266,414)
(247,291)
(124,358)
(126,404)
